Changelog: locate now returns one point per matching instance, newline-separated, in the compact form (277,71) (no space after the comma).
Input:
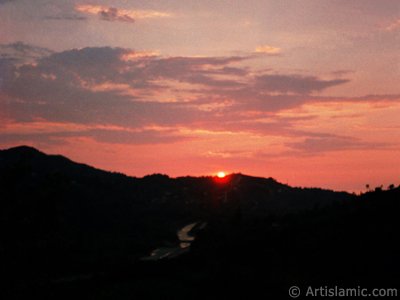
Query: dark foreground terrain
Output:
(71,231)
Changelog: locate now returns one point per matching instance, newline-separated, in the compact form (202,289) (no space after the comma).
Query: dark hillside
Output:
(69,223)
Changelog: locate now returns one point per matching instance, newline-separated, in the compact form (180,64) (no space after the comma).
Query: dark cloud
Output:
(113,14)
(66,17)
(294,83)
(23,53)
(56,89)
(57,138)
(330,143)
(366,98)
(140,137)
(259,100)
(6,1)
(7,72)
(113,136)
(195,70)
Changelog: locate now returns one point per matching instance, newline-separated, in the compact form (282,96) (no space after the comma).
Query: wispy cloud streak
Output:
(122,15)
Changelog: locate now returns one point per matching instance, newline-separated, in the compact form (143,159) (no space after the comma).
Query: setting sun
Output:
(221,174)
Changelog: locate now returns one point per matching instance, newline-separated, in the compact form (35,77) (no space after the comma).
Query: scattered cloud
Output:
(115,14)
(269,50)
(22,53)
(112,14)
(128,88)
(41,138)
(132,91)
(142,137)
(317,145)
(102,135)
(297,84)
(66,17)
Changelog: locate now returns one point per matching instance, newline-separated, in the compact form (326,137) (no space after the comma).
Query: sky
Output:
(304,91)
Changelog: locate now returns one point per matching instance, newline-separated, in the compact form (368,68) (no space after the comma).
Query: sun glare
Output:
(221,174)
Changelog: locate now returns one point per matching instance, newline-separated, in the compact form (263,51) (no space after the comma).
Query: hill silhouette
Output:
(68,226)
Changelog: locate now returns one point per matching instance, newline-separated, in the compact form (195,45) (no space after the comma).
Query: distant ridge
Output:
(38,161)
(27,166)
(22,148)
(35,156)
(24,151)
(21,151)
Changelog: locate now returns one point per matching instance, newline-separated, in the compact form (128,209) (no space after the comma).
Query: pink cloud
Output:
(122,15)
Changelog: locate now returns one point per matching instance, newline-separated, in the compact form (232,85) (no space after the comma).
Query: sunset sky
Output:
(305,91)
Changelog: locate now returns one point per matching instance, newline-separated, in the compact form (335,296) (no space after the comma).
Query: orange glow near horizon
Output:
(221,178)
(221,174)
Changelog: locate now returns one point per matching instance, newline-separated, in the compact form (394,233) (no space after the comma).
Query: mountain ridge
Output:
(27,152)
(26,166)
